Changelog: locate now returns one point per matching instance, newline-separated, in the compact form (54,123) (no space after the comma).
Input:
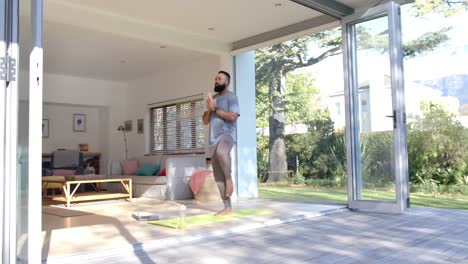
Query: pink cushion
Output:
(63,172)
(198,179)
(129,167)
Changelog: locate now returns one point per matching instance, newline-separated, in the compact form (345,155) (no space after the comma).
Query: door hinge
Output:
(8,69)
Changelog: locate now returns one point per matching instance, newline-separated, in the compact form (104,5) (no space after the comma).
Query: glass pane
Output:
(374,106)
(436,100)
(200,128)
(23,130)
(158,129)
(171,128)
(179,127)
(314,122)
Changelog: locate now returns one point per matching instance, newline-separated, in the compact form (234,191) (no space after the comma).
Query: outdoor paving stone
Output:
(422,236)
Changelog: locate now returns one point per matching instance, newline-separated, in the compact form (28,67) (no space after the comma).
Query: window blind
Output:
(177,128)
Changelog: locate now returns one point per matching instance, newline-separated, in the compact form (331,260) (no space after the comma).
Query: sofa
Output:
(173,186)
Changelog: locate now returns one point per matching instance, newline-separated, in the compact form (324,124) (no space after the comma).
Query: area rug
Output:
(204,219)
(62,212)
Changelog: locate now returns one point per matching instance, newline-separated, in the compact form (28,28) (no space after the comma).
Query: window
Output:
(177,128)
(364,105)
(338,108)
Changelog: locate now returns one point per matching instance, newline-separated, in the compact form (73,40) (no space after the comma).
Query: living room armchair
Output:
(71,160)
(62,163)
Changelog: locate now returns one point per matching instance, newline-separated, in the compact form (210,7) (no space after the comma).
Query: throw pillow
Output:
(59,172)
(129,167)
(147,170)
(162,172)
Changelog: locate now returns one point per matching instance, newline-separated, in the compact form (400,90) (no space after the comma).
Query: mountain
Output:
(453,85)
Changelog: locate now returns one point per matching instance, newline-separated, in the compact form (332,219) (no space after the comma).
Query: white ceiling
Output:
(232,20)
(71,50)
(90,38)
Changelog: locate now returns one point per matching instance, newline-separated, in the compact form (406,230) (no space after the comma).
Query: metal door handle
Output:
(394,119)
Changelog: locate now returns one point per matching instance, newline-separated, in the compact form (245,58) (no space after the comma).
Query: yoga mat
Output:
(204,219)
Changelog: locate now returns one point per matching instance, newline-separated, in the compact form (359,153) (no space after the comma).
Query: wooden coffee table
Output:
(70,195)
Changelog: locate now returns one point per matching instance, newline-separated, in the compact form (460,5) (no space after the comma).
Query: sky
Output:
(449,59)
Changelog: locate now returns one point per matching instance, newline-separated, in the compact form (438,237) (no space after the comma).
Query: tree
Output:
(301,95)
(274,63)
(437,146)
(445,7)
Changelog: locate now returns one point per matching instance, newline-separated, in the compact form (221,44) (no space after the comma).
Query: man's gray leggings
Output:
(221,161)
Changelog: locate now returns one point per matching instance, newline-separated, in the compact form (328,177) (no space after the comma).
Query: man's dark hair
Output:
(228,76)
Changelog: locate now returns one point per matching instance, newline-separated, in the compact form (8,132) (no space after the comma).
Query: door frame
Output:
(400,152)
(3,85)
(35,134)
(9,117)
(9,160)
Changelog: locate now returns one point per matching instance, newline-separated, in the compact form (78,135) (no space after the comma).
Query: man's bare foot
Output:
(225,211)
(229,188)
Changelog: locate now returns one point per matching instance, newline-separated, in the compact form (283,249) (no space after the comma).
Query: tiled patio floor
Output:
(423,235)
(110,224)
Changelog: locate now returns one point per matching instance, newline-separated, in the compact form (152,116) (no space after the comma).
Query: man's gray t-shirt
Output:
(218,126)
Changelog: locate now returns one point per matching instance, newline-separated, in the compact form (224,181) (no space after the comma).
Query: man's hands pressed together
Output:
(211,102)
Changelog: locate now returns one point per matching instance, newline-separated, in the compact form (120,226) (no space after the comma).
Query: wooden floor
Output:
(421,236)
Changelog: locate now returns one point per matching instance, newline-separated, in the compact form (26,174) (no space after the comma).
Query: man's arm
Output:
(210,107)
(229,116)
(232,113)
(206,117)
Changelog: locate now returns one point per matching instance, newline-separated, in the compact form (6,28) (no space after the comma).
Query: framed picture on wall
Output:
(128,125)
(45,128)
(140,126)
(79,122)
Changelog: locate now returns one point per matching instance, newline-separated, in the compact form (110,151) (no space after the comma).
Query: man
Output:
(222,113)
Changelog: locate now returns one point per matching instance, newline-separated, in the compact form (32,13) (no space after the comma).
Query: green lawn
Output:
(308,193)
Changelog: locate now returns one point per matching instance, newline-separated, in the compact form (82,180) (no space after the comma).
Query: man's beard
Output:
(219,88)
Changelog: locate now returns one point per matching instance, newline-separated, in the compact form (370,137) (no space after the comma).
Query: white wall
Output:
(187,80)
(101,101)
(108,104)
(82,91)
(61,134)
